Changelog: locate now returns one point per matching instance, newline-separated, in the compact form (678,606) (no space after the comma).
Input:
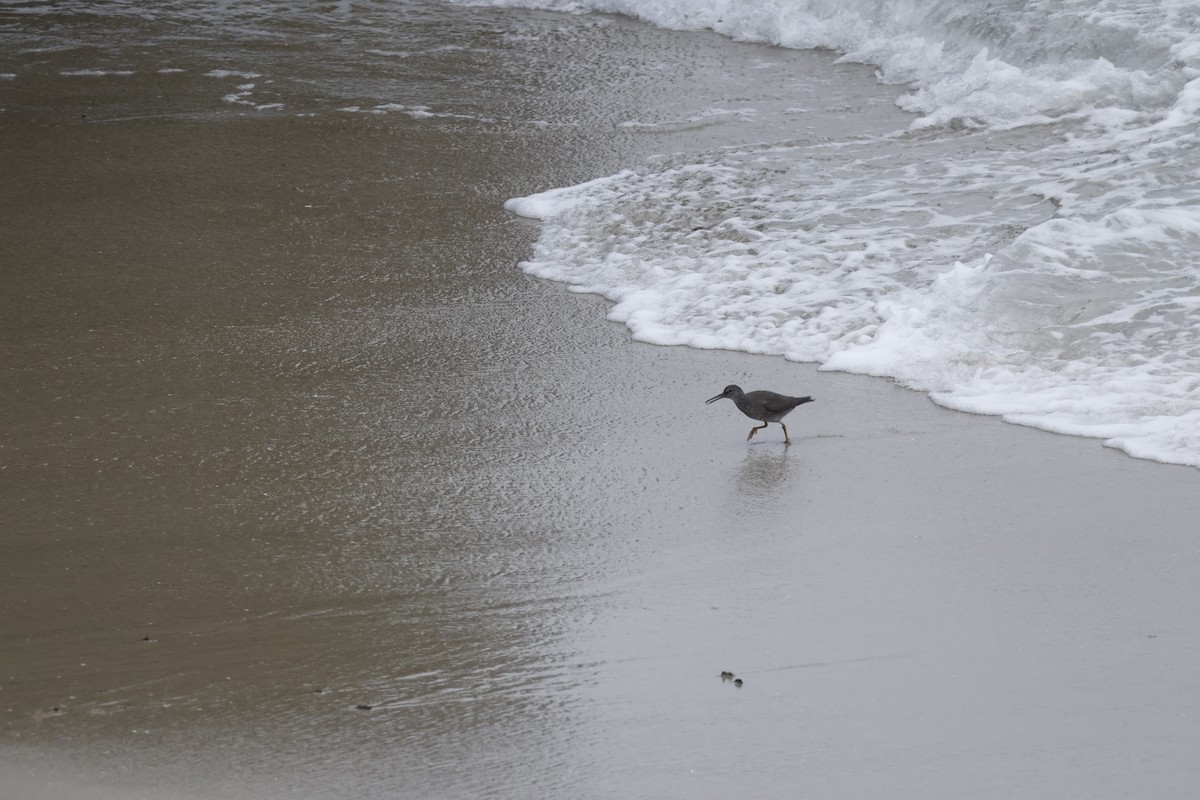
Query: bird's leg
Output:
(786,440)
(755,430)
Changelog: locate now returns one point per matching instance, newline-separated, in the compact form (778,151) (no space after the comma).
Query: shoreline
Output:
(315,494)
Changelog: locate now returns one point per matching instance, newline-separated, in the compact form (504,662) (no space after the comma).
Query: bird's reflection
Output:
(762,473)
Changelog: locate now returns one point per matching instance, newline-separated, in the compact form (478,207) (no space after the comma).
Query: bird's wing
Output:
(777,403)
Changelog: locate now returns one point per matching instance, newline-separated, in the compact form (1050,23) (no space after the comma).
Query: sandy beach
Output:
(308,491)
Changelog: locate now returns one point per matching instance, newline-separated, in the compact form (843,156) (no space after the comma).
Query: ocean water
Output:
(1027,246)
(309,492)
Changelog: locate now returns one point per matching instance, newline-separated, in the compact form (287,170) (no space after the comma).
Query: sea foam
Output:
(1026,248)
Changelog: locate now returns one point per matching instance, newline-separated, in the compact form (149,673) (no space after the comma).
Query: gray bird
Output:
(765,406)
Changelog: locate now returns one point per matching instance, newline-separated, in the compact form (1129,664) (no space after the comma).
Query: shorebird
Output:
(764,406)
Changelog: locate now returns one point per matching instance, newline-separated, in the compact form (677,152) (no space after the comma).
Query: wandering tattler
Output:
(762,405)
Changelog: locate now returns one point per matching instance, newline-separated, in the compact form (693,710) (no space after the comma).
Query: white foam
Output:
(712,116)
(229,73)
(96,73)
(242,98)
(416,112)
(1042,270)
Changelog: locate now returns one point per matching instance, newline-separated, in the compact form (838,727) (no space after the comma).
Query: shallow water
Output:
(287,432)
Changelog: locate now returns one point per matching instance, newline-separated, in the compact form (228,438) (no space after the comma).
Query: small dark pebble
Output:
(738,683)
(363,707)
(726,676)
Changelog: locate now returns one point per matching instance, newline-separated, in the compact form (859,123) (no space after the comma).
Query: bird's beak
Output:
(711,399)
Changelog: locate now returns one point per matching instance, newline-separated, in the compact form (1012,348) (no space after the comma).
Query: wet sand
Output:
(287,433)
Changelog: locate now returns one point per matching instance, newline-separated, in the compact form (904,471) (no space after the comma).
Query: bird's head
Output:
(731,391)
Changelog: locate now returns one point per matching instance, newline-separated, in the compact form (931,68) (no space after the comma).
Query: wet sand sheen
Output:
(290,434)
